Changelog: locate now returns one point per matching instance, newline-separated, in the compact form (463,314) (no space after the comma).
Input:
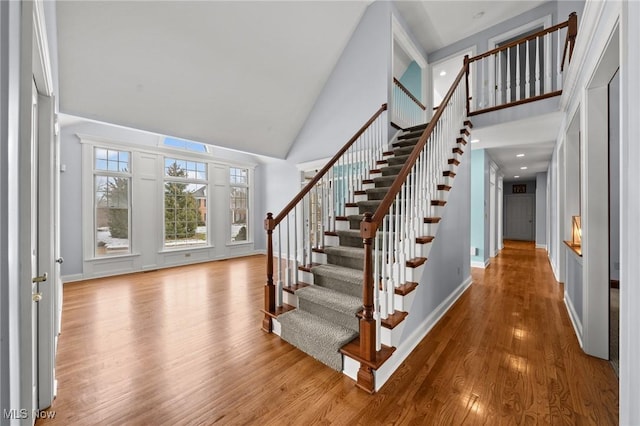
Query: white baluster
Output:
(547,63)
(538,66)
(508,51)
(279,282)
(559,61)
(498,100)
(517,72)
(527,74)
(295,245)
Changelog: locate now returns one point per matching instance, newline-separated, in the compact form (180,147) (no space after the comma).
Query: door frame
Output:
(35,65)
(533,212)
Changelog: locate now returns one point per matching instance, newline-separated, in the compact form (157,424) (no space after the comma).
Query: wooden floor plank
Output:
(183,346)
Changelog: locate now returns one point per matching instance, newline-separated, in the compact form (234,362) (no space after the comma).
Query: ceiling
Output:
(236,74)
(431,22)
(241,75)
(534,137)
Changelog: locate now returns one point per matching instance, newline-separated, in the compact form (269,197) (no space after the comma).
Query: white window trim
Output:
(88,200)
(208,182)
(250,216)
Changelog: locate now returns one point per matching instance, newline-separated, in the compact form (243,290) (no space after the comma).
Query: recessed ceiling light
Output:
(475,140)
(520,155)
(516,177)
(443,73)
(523,168)
(478,15)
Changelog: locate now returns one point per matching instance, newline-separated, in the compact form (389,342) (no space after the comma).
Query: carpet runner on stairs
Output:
(326,317)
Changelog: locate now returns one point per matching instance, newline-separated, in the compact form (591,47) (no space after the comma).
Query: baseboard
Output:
(541,246)
(553,268)
(408,345)
(71,278)
(477,264)
(81,277)
(573,316)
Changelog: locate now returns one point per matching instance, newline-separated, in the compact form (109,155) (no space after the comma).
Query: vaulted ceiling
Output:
(237,74)
(242,75)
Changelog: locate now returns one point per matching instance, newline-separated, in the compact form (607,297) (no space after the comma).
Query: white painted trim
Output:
(41,56)
(403,39)
(541,246)
(408,345)
(573,316)
(480,264)
(131,146)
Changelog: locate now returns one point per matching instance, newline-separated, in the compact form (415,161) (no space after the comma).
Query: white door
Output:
(519,215)
(35,273)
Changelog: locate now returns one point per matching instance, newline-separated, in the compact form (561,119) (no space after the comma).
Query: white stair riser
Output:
(341,225)
(319,257)
(391,337)
(290,299)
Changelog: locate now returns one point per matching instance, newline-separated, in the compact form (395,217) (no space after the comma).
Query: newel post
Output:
(466,72)
(367,322)
(269,288)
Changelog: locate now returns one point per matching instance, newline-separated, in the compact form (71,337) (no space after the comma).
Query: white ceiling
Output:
(534,137)
(241,75)
(438,23)
(237,74)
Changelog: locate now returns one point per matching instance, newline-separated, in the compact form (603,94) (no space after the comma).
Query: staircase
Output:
(356,240)
(327,314)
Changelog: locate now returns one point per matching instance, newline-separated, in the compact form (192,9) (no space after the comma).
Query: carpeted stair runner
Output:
(326,317)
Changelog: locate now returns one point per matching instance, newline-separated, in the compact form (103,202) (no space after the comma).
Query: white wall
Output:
(614,178)
(354,91)
(146,241)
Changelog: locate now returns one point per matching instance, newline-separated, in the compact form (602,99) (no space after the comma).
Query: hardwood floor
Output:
(183,346)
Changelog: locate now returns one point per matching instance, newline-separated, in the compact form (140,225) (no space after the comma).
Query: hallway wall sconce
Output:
(576,231)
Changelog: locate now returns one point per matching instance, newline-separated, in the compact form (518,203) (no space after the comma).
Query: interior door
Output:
(35,282)
(519,215)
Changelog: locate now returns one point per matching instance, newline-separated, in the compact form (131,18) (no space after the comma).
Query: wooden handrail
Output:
(368,229)
(408,93)
(570,41)
(520,41)
(271,224)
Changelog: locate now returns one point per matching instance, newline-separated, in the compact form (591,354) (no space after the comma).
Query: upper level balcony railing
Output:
(524,70)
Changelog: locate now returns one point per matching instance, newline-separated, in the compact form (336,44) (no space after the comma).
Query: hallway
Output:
(183,346)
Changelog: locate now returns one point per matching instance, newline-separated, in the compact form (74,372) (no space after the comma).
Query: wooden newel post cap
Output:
(268,222)
(367,227)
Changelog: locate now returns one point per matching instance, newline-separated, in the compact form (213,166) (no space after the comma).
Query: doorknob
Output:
(37,297)
(40,279)
(60,260)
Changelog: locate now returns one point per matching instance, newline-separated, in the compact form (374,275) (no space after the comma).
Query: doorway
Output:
(614,221)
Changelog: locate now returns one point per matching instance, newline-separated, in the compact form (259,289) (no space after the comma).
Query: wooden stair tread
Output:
(448,173)
(341,218)
(432,219)
(457,150)
(307,268)
(454,161)
(361,192)
(468,123)
(293,288)
(331,233)
(317,250)
(367,181)
(279,310)
(463,141)
(394,319)
(424,240)
(416,261)
(443,187)
(381,162)
(465,132)
(352,350)
(406,288)
(440,203)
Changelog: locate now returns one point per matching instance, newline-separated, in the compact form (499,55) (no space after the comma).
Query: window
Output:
(184,144)
(185,203)
(112,213)
(239,203)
